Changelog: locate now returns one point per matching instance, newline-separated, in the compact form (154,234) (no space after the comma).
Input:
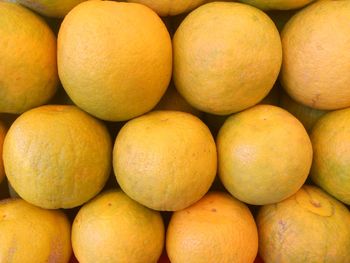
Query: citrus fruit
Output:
(315,66)
(170,7)
(306,115)
(114,58)
(277,4)
(51,8)
(28,70)
(220,50)
(165,160)
(31,234)
(2,136)
(264,154)
(114,228)
(57,156)
(217,228)
(172,100)
(331,144)
(309,227)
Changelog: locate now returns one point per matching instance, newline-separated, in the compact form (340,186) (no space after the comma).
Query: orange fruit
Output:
(309,226)
(315,66)
(218,59)
(52,8)
(2,136)
(114,228)
(264,155)
(277,4)
(169,7)
(31,234)
(331,146)
(28,70)
(57,156)
(306,115)
(218,228)
(165,160)
(114,58)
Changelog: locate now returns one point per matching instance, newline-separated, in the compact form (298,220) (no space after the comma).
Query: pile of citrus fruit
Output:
(187,131)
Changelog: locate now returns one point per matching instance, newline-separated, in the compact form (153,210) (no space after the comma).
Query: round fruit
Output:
(277,4)
(218,59)
(306,115)
(218,228)
(2,137)
(31,234)
(264,155)
(165,160)
(170,7)
(114,58)
(315,66)
(114,228)
(57,156)
(52,8)
(331,144)
(28,70)
(310,226)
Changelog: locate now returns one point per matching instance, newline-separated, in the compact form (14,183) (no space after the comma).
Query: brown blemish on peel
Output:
(315,203)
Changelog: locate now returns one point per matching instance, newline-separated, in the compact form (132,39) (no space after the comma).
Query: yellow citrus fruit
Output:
(308,227)
(28,70)
(264,154)
(52,8)
(31,234)
(57,156)
(170,7)
(172,100)
(218,228)
(2,137)
(331,144)
(165,160)
(306,115)
(114,228)
(315,65)
(226,57)
(277,4)
(114,58)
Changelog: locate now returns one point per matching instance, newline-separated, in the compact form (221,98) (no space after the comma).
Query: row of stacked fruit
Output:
(175,130)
